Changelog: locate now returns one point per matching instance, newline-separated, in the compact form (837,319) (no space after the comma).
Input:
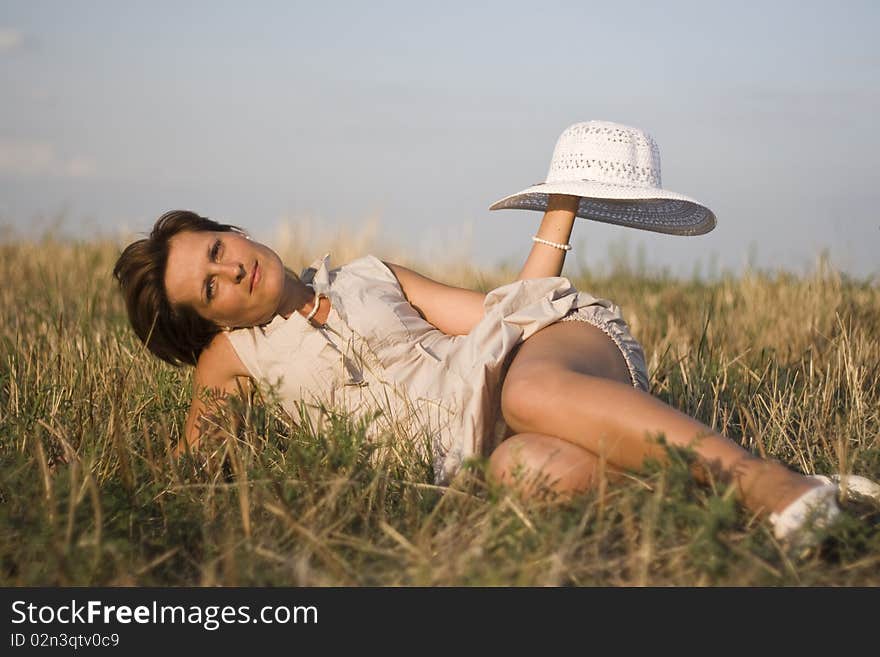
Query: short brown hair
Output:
(176,334)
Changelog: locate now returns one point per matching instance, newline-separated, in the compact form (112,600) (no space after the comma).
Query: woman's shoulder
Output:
(219,362)
(369,266)
(321,270)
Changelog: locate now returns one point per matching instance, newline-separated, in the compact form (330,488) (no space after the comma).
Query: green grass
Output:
(787,366)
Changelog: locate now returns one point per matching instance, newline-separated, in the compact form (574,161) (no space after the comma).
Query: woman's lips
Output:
(255,275)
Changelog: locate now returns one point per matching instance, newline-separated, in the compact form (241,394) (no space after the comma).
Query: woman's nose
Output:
(232,271)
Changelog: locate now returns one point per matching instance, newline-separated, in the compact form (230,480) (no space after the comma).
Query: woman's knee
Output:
(531,463)
(508,461)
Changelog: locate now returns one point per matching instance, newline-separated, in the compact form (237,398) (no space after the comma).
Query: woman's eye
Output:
(215,252)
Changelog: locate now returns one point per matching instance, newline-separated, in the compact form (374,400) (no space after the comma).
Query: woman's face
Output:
(224,277)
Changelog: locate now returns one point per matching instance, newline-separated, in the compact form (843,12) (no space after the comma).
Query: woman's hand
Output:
(558,202)
(556,226)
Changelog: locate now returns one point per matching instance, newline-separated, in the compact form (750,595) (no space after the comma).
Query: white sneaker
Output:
(801,524)
(854,487)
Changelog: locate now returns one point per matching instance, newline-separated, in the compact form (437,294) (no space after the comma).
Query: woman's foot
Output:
(854,488)
(803,522)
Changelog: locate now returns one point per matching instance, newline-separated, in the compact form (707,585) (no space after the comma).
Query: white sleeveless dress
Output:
(376,353)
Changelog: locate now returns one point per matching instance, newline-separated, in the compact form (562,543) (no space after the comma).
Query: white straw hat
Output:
(616,170)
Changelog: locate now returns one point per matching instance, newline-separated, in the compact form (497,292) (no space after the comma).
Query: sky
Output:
(421,115)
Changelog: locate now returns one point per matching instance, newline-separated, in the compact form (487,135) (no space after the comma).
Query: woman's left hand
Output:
(563,203)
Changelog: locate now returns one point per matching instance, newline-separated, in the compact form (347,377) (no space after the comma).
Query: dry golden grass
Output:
(90,496)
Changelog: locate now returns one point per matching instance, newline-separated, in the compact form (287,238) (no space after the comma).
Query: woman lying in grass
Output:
(544,380)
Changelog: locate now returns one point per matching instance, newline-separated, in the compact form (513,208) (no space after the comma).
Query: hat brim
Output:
(645,208)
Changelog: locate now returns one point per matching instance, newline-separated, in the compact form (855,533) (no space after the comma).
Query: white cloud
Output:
(10,39)
(39,159)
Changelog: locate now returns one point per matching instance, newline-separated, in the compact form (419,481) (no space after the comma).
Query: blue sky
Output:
(423,114)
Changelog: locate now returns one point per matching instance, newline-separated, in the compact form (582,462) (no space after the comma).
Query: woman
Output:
(545,380)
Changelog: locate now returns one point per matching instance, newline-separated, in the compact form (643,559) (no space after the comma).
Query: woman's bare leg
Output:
(532,462)
(568,381)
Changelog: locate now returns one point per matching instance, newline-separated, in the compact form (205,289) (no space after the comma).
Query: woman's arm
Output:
(556,226)
(220,371)
(453,310)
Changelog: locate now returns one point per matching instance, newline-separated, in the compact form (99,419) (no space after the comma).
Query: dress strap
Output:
(317,304)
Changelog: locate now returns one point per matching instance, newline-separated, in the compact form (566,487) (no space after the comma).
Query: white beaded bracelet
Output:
(557,245)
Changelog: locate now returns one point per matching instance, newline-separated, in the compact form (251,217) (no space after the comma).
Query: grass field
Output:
(787,366)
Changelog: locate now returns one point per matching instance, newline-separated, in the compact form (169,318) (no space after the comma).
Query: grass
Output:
(788,366)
